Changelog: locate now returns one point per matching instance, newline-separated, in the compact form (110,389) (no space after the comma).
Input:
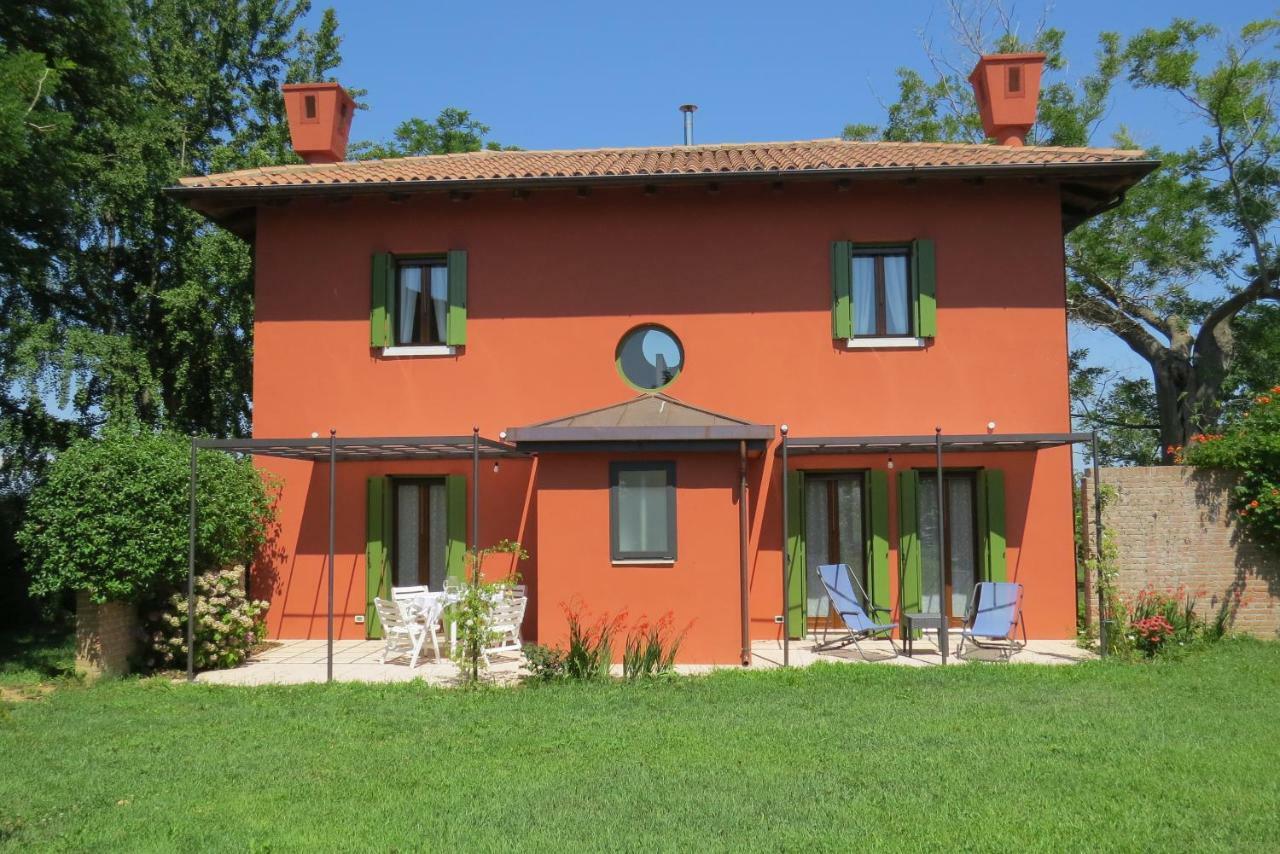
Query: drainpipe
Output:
(1097,532)
(743,522)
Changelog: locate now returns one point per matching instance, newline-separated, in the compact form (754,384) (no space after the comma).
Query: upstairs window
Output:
(881,293)
(420,313)
(418,303)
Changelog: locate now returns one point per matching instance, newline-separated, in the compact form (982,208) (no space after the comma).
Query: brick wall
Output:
(1173,527)
(106,636)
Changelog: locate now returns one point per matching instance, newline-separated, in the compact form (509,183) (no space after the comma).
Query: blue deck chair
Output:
(846,597)
(995,614)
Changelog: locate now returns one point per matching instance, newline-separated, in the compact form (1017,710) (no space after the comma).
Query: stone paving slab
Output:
(299,661)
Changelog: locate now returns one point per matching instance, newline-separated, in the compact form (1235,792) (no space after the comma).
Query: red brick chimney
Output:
(1007,86)
(319,120)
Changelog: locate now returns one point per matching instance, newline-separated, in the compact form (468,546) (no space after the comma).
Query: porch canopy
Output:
(333,450)
(649,422)
(938,444)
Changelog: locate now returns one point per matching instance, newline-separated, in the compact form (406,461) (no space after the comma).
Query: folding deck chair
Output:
(995,613)
(846,597)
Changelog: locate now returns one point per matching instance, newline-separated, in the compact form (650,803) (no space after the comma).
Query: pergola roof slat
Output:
(832,445)
(366,448)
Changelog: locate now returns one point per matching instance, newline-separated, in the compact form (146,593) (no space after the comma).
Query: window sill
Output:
(886,343)
(644,562)
(420,350)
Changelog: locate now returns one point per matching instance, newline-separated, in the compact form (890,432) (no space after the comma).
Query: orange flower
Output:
(1254,504)
(1262,398)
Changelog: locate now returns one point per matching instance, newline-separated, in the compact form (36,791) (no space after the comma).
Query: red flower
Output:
(1253,504)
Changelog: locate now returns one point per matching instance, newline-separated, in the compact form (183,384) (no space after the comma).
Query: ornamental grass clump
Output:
(228,624)
(651,648)
(590,653)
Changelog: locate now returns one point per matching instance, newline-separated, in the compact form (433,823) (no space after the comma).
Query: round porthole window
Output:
(650,357)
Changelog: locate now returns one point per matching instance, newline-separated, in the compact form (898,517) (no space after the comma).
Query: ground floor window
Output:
(642,511)
(834,522)
(960,540)
(421,534)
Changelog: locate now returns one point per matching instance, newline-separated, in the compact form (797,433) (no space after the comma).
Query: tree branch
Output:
(1092,309)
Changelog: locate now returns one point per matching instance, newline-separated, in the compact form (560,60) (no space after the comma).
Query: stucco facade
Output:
(742,276)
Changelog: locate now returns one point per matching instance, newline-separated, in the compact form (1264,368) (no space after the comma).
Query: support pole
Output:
(786,557)
(744,524)
(1097,532)
(943,640)
(333,493)
(475,489)
(191,567)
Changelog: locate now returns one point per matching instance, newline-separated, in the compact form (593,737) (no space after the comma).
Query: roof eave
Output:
(225,204)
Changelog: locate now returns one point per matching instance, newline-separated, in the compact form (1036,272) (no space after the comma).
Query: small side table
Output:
(911,622)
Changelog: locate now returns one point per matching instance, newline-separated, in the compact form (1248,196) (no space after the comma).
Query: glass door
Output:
(833,533)
(960,541)
(421,539)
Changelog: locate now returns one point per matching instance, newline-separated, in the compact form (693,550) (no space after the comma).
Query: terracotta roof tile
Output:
(762,158)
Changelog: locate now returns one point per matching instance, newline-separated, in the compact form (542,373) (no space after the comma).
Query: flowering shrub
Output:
(1152,633)
(228,624)
(651,649)
(1251,448)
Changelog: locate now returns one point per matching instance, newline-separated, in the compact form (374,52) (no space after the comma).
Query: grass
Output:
(985,757)
(34,661)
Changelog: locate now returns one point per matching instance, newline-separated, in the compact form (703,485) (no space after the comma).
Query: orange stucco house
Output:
(629,330)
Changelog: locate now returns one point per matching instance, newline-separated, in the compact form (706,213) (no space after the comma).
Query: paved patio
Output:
(297,661)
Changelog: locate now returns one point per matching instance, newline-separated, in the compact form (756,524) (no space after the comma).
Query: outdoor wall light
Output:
(315,435)
(890,463)
(991,426)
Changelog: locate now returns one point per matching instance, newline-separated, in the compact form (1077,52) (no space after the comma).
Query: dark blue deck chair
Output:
(846,597)
(995,614)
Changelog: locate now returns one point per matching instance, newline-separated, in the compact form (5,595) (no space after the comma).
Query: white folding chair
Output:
(401,635)
(504,625)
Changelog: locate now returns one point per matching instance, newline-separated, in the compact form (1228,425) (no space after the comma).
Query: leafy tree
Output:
(1119,409)
(111,518)
(452,132)
(1171,270)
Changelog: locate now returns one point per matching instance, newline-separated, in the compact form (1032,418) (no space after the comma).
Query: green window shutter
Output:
(991,522)
(377,551)
(924,275)
(381,299)
(878,484)
(841,289)
(795,548)
(455,523)
(910,576)
(456,326)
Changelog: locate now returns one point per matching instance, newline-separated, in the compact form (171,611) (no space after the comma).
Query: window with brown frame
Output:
(420,313)
(882,292)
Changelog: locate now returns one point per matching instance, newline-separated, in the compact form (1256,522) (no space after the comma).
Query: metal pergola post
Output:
(943,640)
(475,491)
(1097,532)
(744,533)
(191,568)
(333,471)
(786,557)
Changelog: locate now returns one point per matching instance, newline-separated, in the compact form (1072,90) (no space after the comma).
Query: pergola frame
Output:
(333,451)
(937,443)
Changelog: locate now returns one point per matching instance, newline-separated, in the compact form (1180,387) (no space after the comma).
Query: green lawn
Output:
(1099,756)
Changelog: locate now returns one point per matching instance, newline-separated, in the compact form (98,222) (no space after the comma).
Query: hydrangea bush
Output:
(228,623)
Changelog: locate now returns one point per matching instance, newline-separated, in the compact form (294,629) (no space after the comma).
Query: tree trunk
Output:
(1184,401)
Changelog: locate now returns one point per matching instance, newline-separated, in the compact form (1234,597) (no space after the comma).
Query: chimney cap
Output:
(319,120)
(688,108)
(1007,89)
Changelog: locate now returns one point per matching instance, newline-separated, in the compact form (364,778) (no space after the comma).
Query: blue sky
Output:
(576,75)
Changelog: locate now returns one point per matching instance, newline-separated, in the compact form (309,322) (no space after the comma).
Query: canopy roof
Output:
(831,445)
(649,418)
(367,449)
